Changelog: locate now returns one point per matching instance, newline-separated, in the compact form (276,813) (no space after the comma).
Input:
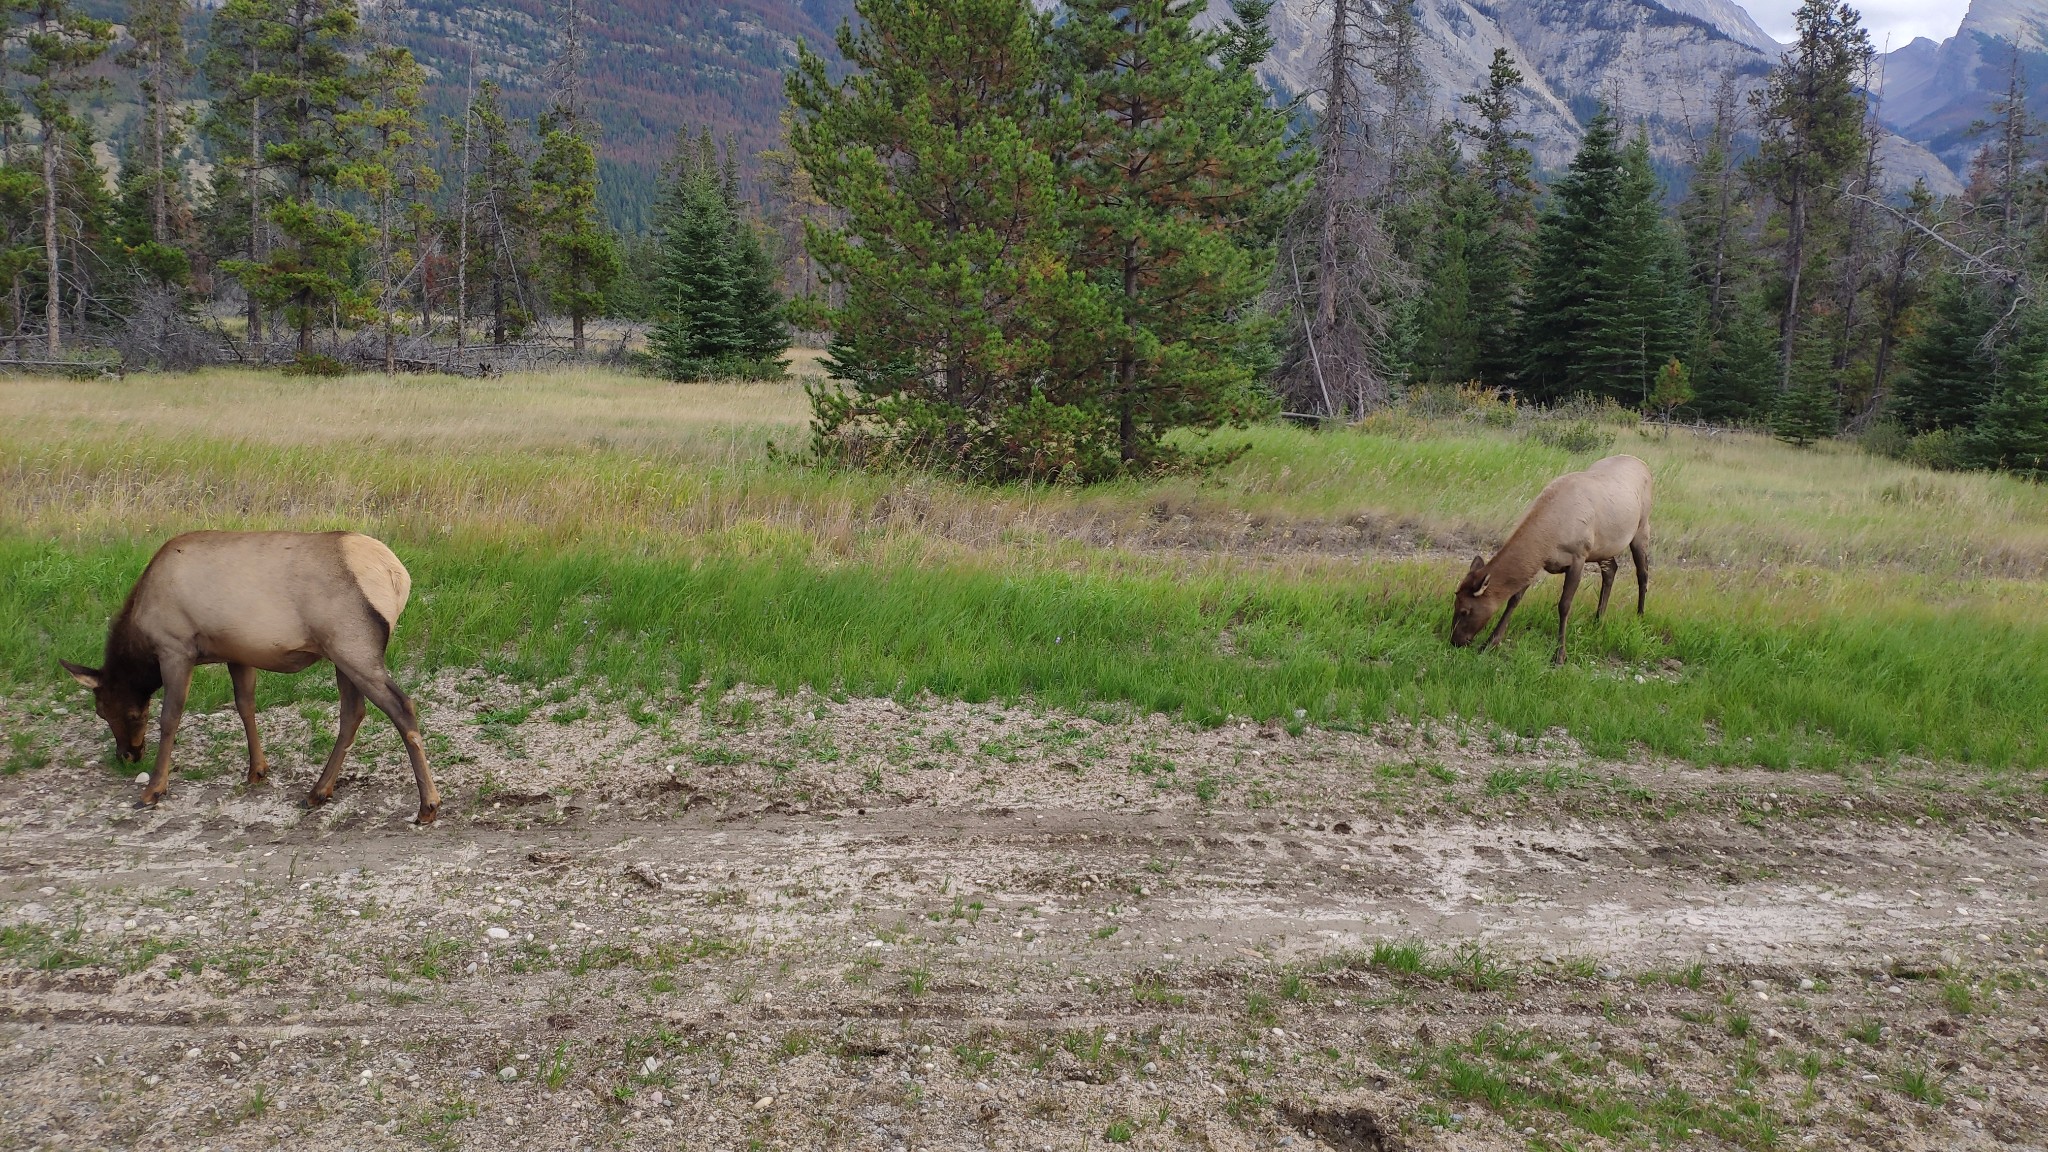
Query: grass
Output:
(1825,608)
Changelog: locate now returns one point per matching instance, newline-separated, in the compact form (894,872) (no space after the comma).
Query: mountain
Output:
(1934,93)
(653,67)
(1657,60)
(658,66)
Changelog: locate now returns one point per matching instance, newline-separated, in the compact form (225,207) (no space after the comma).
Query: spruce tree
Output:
(1810,409)
(717,312)
(241,49)
(579,257)
(495,231)
(1505,226)
(1811,120)
(1947,373)
(392,173)
(959,310)
(2011,433)
(1175,157)
(305,72)
(156,31)
(62,44)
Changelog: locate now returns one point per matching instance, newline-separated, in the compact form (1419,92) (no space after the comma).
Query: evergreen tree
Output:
(241,47)
(1738,376)
(307,75)
(1607,304)
(62,44)
(1810,116)
(579,257)
(1505,225)
(2011,433)
(961,328)
(1947,373)
(717,312)
(496,238)
(1810,409)
(156,29)
(1170,169)
(391,172)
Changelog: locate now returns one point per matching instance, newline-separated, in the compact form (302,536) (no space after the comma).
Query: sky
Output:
(1901,20)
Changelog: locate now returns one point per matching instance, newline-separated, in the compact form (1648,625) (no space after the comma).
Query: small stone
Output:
(1806,984)
(764,1103)
(1150,1069)
(1759,985)
(152,1079)
(497,933)
(508,1073)
(142,777)
(192,1053)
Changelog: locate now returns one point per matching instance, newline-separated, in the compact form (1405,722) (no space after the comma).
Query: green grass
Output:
(597,529)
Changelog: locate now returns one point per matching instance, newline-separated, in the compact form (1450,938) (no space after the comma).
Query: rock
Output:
(142,777)
(1806,984)
(508,1073)
(1150,1068)
(497,933)
(764,1103)
(646,875)
(986,1111)
(192,1053)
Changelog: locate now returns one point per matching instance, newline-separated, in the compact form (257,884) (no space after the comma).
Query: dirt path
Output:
(777,923)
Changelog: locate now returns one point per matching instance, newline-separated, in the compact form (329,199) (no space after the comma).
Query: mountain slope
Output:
(1657,60)
(1935,93)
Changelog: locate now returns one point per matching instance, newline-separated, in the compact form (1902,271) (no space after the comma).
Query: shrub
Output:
(1579,437)
(1941,450)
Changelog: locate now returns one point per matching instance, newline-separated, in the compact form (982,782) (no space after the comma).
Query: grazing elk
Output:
(270,601)
(1580,518)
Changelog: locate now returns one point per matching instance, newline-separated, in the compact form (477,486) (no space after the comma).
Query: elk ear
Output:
(90,677)
(1478,564)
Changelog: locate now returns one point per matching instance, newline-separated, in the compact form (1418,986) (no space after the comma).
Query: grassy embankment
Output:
(1819,608)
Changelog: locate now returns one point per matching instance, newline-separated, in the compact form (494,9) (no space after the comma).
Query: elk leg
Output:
(1501,628)
(1639,551)
(390,699)
(243,678)
(177,683)
(1564,605)
(344,739)
(1608,569)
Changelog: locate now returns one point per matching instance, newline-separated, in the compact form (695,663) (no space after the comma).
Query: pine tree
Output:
(62,44)
(1169,170)
(959,308)
(2011,433)
(1810,409)
(1607,302)
(392,173)
(1503,232)
(717,312)
(241,46)
(156,31)
(1947,374)
(579,257)
(306,74)
(1810,116)
(497,241)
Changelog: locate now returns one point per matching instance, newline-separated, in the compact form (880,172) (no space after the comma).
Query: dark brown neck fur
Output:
(131,663)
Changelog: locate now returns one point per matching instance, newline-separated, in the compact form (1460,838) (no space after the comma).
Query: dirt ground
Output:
(798,922)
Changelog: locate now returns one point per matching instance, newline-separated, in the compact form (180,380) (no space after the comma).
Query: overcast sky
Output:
(1901,20)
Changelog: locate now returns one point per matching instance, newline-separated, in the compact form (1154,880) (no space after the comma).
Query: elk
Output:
(257,601)
(1580,518)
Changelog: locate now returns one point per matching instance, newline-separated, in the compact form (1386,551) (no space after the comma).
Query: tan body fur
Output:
(269,601)
(1591,517)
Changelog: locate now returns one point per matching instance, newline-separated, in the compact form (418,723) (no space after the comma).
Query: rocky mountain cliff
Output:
(1658,60)
(1935,92)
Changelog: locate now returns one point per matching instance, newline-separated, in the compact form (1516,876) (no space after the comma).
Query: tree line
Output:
(1050,240)
(287,164)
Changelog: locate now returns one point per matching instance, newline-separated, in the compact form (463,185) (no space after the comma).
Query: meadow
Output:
(1809,608)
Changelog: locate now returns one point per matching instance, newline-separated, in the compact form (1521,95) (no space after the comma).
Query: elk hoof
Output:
(427,814)
(1557,661)
(315,799)
(150,797)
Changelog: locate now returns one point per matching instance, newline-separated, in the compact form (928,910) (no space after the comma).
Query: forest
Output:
(1041,245)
